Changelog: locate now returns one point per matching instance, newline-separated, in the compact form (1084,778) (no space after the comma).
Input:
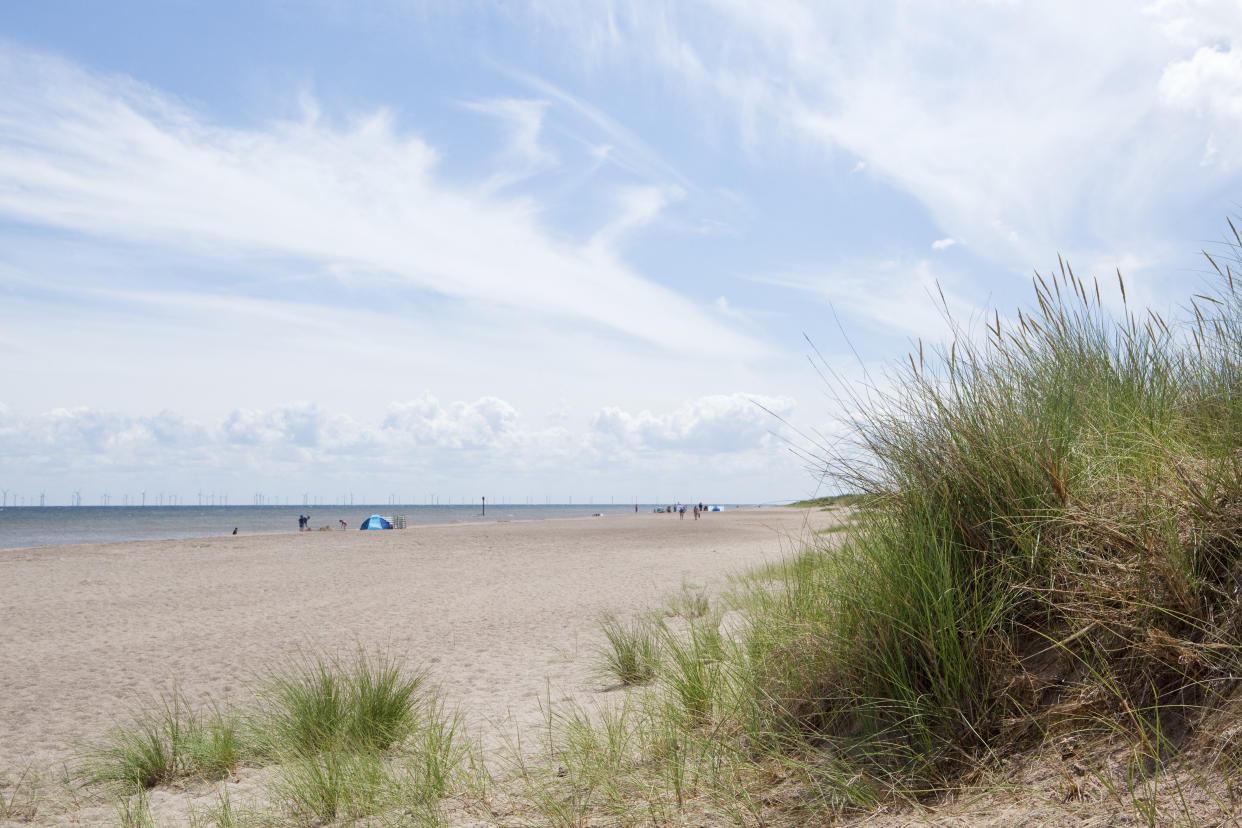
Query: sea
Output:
(25,526)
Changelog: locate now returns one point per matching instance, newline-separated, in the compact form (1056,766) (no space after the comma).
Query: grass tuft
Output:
(383,704)
(367,705)
(438,753)
(690,603)
(355,740)
(632,654)
(145,752)
(21,802)
(327,785)
(134,810)
(694,672)
(216,744)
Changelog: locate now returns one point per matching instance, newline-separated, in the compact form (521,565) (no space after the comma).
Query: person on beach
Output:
(344,525)
(696,512)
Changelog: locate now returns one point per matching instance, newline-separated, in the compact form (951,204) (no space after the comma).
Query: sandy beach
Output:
(497,612)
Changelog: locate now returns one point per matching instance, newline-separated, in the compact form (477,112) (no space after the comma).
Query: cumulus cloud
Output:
(1210,82)
(303,425)
(70,440)
(485,423)
(418,439)
(718,423)
(1191,23)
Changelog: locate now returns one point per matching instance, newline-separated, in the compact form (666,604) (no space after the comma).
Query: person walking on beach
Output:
(696,512)
(344,525)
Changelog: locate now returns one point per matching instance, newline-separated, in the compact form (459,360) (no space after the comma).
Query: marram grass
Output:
(157,745)
(364,705)
(1060,495)
(1050,542)
(631,653)
(351,739)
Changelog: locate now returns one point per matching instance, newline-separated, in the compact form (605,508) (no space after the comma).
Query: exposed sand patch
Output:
(498,612)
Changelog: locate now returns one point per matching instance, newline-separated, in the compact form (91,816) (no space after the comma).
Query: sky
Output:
(535,251)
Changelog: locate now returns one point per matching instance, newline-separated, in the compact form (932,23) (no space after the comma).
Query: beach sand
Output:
(500,614)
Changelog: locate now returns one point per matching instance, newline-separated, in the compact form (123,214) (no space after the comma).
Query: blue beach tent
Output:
(375,522)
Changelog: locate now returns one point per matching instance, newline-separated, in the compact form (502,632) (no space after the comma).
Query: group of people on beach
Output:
(304,524)
(680,509)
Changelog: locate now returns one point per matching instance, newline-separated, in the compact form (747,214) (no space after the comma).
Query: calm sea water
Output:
(57,525)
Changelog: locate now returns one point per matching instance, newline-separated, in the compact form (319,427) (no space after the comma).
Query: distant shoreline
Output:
(34,527)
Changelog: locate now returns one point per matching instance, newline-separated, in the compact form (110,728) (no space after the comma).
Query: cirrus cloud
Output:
(113,159)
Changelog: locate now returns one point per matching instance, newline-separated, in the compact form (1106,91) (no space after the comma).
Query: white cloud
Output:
(719,423)
(1191,23)
(898,296)
(1210,82)
(303,426)
(943,244)
(466,442)
(723,307)
(487,423)
(114,160)
(1070,138)
(637,207)
(626,150)
(524,155)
